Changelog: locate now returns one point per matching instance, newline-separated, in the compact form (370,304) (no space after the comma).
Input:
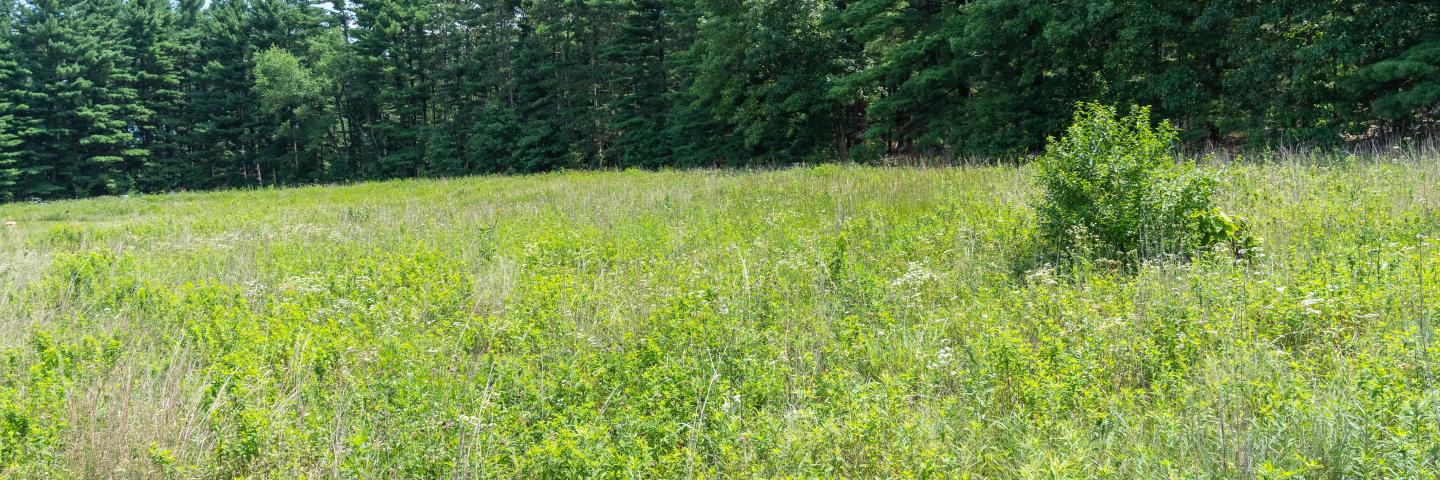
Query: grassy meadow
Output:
(833,321)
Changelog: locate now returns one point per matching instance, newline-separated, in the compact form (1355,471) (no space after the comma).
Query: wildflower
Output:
(472,421)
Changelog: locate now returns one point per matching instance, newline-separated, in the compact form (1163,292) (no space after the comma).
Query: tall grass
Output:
(812,322)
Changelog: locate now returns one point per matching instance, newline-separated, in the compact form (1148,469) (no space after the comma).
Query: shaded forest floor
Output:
(828,321)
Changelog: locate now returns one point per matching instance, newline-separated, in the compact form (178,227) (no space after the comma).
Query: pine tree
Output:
(287,25)
(589,82)
(394,50)
(327,152)
(639,54)
(913,77)
(79,97)
(233,141)
(1405,85)
(220,102)
(109,96)
(541,142)
(1398,80)
(541,91)
(765,69)
(475,94)
(1020,71)
(288,92)
(155,54)
(694,134)
(15,124)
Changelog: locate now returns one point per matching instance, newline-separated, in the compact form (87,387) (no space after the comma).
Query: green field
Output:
(812,322)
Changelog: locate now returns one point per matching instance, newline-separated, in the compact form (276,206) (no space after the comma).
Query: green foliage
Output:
(282,84)
(120,96)
(1408,84)
(835,321)
(1112,188)
(763,73)
(290,94)
(15,125)
(638,53)
(155,51)
(77,97)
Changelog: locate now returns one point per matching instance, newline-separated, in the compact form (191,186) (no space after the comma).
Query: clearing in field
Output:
(812,322)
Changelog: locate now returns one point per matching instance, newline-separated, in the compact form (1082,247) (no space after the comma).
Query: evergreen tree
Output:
(288,92)
(1162,54)
(78,96)
(1398,81)
(110,96)
(540,99)
(912,78)
(640,107)
(394,52)
(1020,68)
(471,116)
(14,119)
(154,53)
(233,140)
(1406,85)
(220,102)
(765,74)
(344,111)
(327,135)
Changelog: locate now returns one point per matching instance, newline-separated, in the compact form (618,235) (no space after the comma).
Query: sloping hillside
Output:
(834,321)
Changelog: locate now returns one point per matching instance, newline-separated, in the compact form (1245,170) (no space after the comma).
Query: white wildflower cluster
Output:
(945,360)
(1041,276)
(915,274)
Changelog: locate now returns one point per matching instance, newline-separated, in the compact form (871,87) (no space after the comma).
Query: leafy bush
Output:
(1113,190)
(841,321)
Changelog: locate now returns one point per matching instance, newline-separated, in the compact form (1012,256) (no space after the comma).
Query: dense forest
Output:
(117,96)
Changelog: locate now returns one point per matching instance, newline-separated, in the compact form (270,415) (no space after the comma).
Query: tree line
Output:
(117,96)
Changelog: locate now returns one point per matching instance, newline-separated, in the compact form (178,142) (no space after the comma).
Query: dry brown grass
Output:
(138,421)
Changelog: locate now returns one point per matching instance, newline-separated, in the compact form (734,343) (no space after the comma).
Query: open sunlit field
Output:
(811,322)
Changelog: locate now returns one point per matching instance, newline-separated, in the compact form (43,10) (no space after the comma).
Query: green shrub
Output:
(1113,190)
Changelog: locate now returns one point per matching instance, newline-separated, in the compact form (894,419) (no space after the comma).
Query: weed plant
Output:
(830,322)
